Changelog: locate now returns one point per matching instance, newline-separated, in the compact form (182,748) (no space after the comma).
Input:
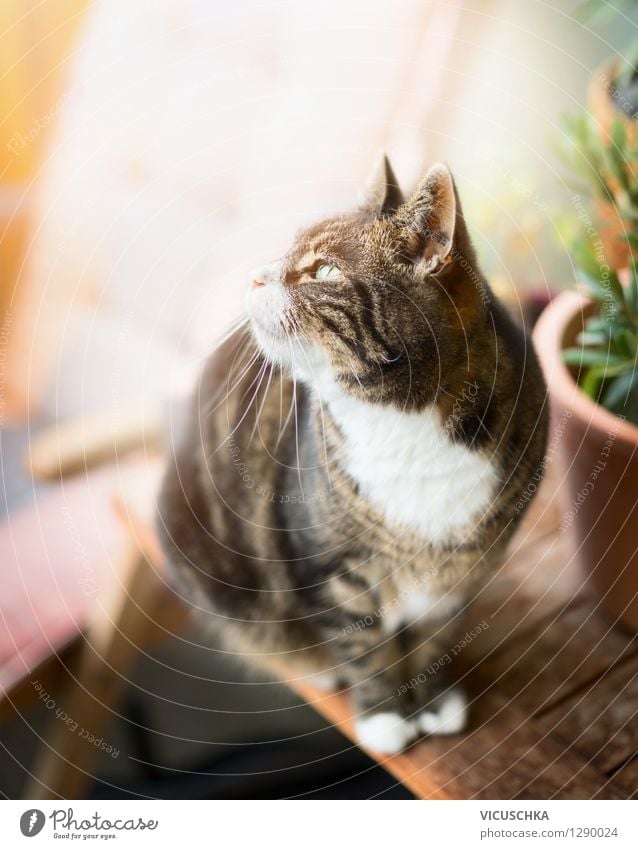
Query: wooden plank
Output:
(601,720)
(543,514)
(556,657)
(627,777)
(21,697)
(535,584)
(74,446)
(506,756)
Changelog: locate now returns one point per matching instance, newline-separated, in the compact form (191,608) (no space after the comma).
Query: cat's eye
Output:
(326,271)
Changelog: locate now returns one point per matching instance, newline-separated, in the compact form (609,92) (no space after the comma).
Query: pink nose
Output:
(256,283)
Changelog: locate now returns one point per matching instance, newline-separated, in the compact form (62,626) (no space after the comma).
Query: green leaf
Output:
(591,357)
(593,287)
(621,392)
(589,271)
(603,285)
(625,341)
(617,154)
(592,382)
(619,133)
(616,287)
(589,338)
(608,291)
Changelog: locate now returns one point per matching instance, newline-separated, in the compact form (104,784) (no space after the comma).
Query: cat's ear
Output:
(432,220)
(381,192)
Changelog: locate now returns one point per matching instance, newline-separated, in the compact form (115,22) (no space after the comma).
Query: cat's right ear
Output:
(381,192)
(430,219)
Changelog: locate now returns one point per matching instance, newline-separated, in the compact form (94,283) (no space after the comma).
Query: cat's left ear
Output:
(381,192)
(432,221)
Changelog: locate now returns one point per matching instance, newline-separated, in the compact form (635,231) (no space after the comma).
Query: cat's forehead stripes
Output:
(306,259)
(338,239)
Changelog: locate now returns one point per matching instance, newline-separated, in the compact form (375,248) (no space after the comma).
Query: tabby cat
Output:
(359,454)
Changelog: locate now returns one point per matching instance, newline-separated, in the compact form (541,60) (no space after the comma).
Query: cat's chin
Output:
(298,356)
(276,347)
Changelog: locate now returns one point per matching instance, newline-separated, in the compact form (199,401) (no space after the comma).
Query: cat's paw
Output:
(447,716)
(386,732)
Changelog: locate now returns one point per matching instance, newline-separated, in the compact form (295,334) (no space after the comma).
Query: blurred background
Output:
(151,153)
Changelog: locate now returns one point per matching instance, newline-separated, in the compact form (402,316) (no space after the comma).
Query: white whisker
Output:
(263,401)
(260,377)
(236,383)
(294,398)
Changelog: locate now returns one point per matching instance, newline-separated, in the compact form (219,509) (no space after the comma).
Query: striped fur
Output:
(351,474)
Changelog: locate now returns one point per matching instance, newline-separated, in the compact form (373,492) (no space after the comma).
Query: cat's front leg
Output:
(438,701)
(372,664)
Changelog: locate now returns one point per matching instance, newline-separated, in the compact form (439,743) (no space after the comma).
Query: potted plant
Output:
(588,345)
(587,339)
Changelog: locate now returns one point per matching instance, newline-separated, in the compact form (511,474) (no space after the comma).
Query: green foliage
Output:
(605,356)
(605,166)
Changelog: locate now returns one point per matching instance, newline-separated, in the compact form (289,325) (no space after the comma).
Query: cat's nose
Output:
(265,274)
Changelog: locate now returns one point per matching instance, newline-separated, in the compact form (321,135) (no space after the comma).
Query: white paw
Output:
(322,681)
(447,716)
(385,732)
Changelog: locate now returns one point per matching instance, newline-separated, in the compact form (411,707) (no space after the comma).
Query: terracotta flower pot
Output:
(597,459)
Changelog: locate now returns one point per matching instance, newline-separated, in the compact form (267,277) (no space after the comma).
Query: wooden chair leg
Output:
(125,619)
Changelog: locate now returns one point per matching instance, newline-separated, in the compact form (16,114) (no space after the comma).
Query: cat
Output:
(353,467)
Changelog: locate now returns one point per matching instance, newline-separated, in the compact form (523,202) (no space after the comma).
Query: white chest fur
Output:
(408,467)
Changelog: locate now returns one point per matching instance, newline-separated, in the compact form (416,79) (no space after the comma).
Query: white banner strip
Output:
(309,824)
